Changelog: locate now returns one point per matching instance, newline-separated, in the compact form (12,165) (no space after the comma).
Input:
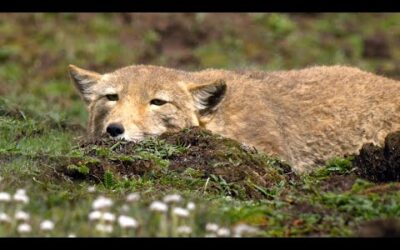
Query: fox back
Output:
(303,116)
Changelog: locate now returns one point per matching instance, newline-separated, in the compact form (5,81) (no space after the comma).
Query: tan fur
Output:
(304,116)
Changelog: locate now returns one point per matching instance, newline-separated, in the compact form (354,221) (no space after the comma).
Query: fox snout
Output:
(115,129)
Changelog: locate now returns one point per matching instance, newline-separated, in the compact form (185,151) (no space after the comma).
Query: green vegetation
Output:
(42,121)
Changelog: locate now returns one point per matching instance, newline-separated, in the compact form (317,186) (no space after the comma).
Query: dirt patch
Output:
(224,162)
(376,46)
(305,208)
(380,228)
(338,183)
(382,189)
(380,164)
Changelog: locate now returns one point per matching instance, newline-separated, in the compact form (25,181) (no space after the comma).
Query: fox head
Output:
(140,101)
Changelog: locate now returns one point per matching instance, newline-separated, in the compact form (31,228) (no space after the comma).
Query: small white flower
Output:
(22,216)
(184,230)
(132,197)
(158,206)
(223,232)
(108,217)
(20,196)
(127,222)
(104,228)
(172,198)
(95,215)
(212,227)
(20,191)
(242,229)
(125,208)
(4,218)
(102,203)
(47,225)
(181,212)
(71,236)
(24,228)
(5,197)
(191,206)
(91,189)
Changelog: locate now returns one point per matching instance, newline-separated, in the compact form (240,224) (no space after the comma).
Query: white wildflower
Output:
(212,227)
(223,232)
(22,216)
(132,197)
(47,225)
(24,228)
(184,230)
(102,203)
(127,222)
(91,189)
(242,229)
(95,215)
(20,196)
(20,191)
(104,228)
(125,208)
(108,217)
(4,218)
(172,198)
(191,206)
(5,197)
(181,212)
(71,236)
(158,206)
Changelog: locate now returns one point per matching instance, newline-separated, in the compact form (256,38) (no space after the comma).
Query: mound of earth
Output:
(380,164)
(380,228)
(209,156)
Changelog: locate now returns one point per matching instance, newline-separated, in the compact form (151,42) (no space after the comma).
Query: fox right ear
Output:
(84,80)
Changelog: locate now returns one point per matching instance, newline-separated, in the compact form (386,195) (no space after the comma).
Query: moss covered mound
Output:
(196,152)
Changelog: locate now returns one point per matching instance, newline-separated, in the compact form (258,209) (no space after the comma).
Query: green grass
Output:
(42,120)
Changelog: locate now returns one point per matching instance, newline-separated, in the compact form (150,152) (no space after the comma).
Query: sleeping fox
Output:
(303,116)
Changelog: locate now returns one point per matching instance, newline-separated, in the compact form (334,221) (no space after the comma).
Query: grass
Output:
(42,120)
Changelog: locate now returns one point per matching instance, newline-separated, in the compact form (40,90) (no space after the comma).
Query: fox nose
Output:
(115,129)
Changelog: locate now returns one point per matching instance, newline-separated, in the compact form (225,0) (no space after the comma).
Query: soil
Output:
(380,228)
(338,183)
(380,164)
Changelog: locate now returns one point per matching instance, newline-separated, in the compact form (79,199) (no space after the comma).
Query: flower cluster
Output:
(104,219)
(13,216)
(169,216)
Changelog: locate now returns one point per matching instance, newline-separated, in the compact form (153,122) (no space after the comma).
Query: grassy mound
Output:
(192,153)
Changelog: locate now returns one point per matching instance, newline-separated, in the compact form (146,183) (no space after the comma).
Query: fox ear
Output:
(207,97)
(84,80)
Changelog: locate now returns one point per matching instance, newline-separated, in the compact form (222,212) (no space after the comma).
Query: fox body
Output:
(303,116)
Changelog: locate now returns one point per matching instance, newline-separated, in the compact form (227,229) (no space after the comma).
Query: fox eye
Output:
(112,97)
(157,102)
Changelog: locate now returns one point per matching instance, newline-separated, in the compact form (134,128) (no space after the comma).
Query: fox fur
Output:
(305,116)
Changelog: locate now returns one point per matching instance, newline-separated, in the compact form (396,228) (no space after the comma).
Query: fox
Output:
(303,116)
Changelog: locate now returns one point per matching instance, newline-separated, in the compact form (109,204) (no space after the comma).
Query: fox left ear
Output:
(84,80)
(207,97)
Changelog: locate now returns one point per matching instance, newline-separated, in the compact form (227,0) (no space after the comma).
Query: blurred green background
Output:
(35,48)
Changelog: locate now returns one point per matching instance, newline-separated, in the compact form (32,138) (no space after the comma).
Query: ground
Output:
(42,123)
